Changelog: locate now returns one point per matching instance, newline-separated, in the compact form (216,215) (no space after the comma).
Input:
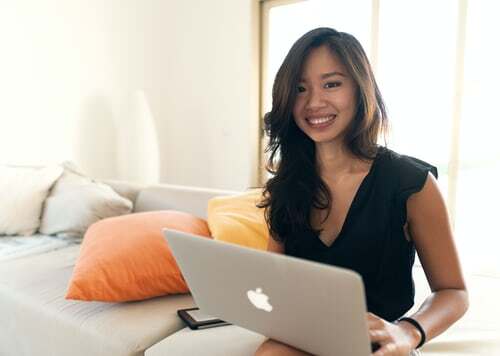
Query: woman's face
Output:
(326,97)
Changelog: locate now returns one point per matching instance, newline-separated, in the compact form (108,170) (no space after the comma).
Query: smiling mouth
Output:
(320,121)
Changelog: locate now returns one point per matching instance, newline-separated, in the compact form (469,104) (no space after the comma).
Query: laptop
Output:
(314,307)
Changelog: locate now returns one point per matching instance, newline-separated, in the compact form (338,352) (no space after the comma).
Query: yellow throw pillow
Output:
(236,219)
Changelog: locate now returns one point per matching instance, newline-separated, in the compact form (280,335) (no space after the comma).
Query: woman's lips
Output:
(320,122)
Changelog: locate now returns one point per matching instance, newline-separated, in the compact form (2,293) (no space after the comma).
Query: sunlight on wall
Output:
(50,66)
(69,68)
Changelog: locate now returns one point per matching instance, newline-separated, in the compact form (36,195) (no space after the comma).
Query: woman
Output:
(337,197)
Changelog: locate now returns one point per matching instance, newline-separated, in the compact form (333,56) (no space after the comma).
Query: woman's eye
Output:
(300,89)
(333,84)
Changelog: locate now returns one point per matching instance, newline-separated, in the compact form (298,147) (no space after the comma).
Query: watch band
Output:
(417,325)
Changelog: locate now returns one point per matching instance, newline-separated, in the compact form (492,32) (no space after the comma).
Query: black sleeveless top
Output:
(372,241)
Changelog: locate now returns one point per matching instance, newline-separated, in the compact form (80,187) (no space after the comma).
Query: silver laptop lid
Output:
(314,307)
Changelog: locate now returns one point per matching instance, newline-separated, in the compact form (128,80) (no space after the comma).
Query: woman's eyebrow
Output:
(325,75)
(331,74)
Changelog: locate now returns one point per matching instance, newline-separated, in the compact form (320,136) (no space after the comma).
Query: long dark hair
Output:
(295,186)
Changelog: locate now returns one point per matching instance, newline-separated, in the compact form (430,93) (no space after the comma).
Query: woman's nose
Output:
(314,100)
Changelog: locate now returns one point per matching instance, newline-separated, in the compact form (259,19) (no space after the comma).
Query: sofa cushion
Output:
(225,340)
(77,201)
(12,247)
(38,320)
(22,193)
(127,258)
(236,219)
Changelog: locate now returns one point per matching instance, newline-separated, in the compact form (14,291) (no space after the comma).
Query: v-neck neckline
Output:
(354,202)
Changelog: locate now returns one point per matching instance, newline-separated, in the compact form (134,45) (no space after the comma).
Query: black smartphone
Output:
(196,319)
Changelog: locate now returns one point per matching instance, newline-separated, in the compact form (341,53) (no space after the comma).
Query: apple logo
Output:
(259,299)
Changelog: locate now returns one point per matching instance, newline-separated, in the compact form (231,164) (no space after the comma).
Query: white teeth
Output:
(321,120)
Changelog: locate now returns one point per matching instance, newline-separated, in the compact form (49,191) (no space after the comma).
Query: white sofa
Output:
(35,319)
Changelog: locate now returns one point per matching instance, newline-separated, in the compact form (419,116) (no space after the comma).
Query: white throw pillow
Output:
(76,202)
(22,193)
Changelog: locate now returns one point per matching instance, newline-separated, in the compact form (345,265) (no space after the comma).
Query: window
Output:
(436,65)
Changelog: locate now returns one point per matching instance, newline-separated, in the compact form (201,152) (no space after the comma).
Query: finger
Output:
(379,335)
(374,321)
(386,350)
(371,316)
(376,324)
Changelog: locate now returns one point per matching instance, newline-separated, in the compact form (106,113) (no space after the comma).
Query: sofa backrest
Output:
(192,200)
(127,190)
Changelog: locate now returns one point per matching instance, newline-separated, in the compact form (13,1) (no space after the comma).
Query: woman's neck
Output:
(336,160)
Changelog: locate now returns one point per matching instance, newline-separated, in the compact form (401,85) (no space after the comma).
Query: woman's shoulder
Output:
(403,175)
(404,166)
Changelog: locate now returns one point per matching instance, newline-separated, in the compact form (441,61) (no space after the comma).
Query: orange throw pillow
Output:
(127,258)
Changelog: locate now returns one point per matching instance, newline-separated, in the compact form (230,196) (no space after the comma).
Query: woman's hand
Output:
(394,339)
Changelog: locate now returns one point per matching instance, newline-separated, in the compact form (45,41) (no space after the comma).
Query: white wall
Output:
(68,71)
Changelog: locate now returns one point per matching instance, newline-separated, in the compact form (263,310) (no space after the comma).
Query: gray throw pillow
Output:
(76,202)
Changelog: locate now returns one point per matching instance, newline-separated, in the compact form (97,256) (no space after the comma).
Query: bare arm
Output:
(430,229)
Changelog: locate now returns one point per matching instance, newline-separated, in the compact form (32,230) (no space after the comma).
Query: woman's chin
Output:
(325,139)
